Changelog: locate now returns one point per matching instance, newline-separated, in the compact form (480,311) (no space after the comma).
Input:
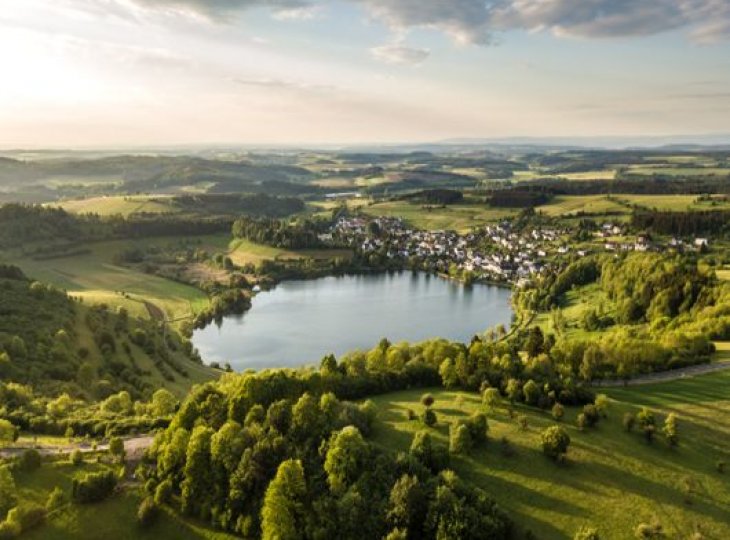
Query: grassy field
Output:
(243,252)
(613,479)
(460,218)
(565,205)
(113,519)
(119,205)
(96,278)
(677,171)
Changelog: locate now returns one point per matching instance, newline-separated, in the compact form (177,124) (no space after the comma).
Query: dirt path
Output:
(133,446)
(666,376)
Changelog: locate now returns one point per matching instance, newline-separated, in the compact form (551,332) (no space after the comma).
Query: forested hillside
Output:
(57,345)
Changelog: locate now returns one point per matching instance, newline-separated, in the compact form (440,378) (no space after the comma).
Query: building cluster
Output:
(494,252)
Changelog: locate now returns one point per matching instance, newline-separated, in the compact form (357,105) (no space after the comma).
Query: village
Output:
(495,253)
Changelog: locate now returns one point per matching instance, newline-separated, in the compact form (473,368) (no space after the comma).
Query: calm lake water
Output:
(299,322)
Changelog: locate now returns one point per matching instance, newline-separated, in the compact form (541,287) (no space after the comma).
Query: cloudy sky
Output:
(150,72)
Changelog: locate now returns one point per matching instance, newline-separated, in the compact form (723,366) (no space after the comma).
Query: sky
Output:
(88,73)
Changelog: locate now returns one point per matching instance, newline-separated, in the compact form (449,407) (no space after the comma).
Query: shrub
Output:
(629,421)
(586,533)
(147,512)
(9,529)
(581,421)
(645,417)
(93,487)
(523,422)
(163,492)
(27,516)
(427,400)
(670,429)
(555,442)
(646,531)
(30,460)
(591,414)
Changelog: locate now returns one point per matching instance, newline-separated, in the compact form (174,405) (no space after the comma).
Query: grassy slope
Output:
(95,277)
(113,519)
(460,218)
(244,252)
(614,479)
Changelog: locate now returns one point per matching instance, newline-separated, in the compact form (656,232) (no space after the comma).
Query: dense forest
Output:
(715,222)
(300,234)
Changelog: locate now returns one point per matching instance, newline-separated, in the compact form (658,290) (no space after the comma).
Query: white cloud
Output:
(396,53)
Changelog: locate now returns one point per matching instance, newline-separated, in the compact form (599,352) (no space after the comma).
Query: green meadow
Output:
(613,479)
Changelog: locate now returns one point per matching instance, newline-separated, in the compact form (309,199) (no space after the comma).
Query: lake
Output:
(299,322)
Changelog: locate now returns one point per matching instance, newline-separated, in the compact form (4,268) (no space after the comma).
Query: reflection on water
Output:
(298,322)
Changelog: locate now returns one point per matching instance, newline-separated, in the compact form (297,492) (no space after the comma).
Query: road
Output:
(666,376)
(133,446)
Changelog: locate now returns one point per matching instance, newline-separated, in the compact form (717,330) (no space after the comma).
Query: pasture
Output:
(613,479)
(123,205)
(458,217)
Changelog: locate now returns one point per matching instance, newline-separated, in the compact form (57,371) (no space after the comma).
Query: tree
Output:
(163,403)
(427,400)
(535,340)
(459,439)
(602,404)
(670,429)
(513,390)
(282,514)
(196,487)
(428,417)
(555,442)
(449,375)
(407,504)
(147,512)
(428,454)
(532,392)
(558,411)
(591,414)
(8,493)
(490,399)
(345,458)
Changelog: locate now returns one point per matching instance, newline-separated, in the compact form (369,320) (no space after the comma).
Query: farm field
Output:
(613,479)
(119,205)
(460,218)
